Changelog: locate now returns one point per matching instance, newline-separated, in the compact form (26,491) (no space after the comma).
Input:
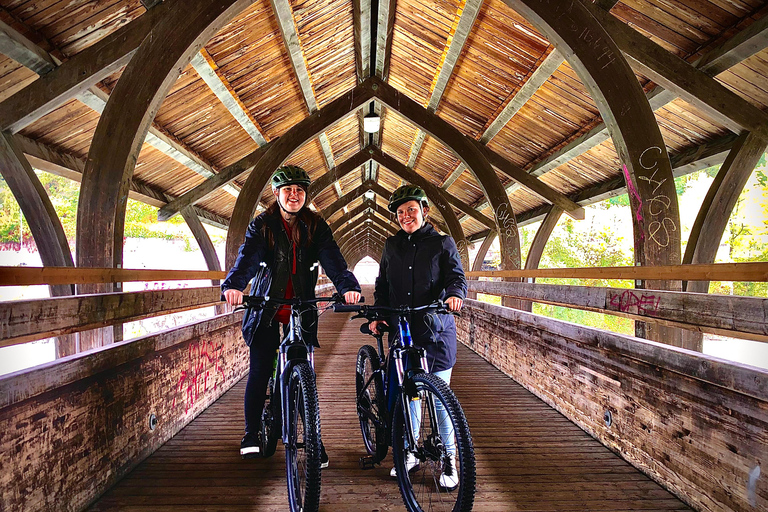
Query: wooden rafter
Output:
(157,137)
(464,19)
(743,45)
(207,68)
(684,79)
(77,74)
(362,21)
(284,15)
(48,159)
(25,52)
(385,28)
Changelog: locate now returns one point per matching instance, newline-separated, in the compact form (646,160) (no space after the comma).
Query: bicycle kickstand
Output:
(368,462)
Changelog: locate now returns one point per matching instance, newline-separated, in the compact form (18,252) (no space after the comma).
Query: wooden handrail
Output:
(28,320)
(25,276)
(750,272)
(726,315)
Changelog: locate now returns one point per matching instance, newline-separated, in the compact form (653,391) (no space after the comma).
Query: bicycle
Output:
(417,414)
(291,409)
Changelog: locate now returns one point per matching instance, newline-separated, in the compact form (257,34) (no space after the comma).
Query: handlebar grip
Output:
(365,329)
(346,308)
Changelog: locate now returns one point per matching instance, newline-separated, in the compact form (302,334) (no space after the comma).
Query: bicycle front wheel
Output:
(371,402)
(302,453)
(437,473)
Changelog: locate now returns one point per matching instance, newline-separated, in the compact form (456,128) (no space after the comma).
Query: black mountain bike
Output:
(400,404)
(291,408)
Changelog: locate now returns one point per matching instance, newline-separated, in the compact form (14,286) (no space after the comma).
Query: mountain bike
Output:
(399,404)
(291,409)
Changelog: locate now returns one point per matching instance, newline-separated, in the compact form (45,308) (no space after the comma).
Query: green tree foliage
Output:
(140,218)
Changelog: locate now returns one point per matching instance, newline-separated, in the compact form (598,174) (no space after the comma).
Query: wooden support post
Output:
(538,244)
(203,240)
(477,265)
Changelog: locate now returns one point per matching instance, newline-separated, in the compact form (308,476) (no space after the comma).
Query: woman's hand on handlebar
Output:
(374,326)
(454,303)
(234,297)
(351,297)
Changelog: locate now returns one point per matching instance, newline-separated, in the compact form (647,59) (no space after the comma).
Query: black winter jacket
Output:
(418,269)
(273,279)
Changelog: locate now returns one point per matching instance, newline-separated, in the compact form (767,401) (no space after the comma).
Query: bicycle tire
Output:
(371,402)
(270,421)
(420,488)
(302,453)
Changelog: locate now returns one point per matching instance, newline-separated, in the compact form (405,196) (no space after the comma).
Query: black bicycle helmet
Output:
(407,193)
(290,175)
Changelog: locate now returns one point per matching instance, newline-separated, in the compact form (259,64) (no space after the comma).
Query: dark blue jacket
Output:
(418,269)
(272,279)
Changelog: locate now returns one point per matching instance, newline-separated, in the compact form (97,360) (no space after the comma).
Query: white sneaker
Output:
(449,479)
(411,464)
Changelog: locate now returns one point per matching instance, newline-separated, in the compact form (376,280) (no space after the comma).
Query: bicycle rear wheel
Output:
(371,402)
(302,453)
(270,420)
(422,488)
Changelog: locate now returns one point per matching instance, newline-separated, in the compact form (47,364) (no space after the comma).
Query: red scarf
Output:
(283,314)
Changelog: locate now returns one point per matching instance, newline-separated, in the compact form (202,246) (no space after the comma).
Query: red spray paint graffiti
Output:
(203,363)
(644,304)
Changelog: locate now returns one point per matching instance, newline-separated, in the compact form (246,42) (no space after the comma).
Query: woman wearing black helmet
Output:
(289,238)
(419,266)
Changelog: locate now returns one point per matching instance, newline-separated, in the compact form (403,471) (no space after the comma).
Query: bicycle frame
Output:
(286,362)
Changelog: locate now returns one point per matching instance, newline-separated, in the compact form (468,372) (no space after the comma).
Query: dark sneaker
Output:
(250,446)
(323,457)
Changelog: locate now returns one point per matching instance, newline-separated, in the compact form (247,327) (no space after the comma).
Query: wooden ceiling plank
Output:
(77,74)
(207,69)
(319,185)
(676,75)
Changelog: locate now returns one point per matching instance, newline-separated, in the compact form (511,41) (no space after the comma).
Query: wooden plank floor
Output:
(529,457)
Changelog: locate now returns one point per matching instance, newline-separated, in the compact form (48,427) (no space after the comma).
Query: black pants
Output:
(266,341)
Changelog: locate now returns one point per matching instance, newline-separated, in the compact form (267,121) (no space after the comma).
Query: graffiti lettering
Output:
(203,363)
(643,304)
(658,231)
(632,190)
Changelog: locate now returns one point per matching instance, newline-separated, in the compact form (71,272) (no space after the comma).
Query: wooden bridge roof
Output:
(480,66)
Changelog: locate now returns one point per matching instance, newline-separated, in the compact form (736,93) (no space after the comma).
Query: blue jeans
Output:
(445,425)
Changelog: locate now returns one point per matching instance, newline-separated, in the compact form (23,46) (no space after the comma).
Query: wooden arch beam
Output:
(471,156)
(37,208)
(203,240)
(715,211)
(592,53)
(540,242)
(280,150)
(575,32)
(435,195)
(155,67)
(349,240)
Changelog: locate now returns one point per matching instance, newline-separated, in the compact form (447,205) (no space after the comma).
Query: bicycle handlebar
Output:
(256,301)
(373,312)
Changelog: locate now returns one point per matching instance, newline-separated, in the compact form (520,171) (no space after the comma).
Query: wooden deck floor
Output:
(529,457)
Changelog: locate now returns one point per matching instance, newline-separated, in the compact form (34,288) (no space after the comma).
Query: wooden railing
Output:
(734,316)
(26,276)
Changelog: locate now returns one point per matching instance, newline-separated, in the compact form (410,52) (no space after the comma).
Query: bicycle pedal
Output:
(368,462)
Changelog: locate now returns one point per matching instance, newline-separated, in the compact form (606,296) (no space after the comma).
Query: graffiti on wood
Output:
(203,370)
